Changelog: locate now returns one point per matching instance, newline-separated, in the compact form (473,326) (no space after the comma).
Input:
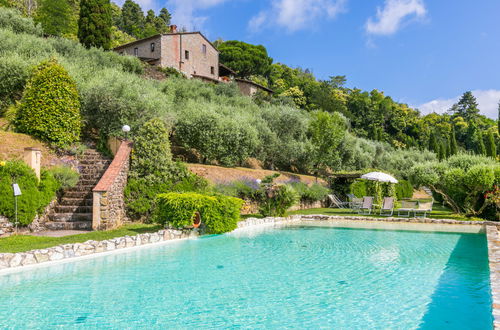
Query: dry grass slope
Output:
(217,174)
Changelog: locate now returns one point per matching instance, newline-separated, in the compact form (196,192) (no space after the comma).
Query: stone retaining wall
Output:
(67,251)
(108,207)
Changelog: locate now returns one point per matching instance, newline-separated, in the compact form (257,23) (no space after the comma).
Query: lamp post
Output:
(126,129)
(17,192)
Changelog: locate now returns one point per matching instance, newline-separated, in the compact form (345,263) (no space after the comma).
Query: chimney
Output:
(173,28)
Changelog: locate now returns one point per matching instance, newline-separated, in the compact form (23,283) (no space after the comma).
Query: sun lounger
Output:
(367,206)
(337,202)
(387,208)
(407,208)
(423,208)
(355,204)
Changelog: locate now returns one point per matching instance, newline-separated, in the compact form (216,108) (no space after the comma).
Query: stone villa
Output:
(189,52)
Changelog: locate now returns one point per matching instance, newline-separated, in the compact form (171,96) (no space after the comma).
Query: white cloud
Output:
(184,11)
(487,100)
(296,14)
(390,18)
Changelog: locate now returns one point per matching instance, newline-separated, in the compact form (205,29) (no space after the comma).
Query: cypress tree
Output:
(55,16)
(481,148)
(491,148)
(453,142)
(441,152)
(94,25)
(433,145)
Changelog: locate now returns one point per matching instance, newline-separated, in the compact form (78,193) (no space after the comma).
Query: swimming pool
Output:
(293,276)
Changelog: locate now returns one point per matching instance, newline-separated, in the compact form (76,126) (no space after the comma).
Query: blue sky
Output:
(421,52)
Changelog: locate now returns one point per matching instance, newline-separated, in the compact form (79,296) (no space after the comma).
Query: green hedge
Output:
(219,213)
(35,195)
(404,189)
(358,188)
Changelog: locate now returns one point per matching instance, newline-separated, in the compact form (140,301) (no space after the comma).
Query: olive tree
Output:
(462,181)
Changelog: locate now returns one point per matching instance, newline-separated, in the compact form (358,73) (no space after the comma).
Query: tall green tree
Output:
(165,16)
(326,132)
(480,146)
(453,142)
(433,145)
(133,20)
(491,148)
(498,119)
(245,59)
(95,23)
(56,17)
(467,107)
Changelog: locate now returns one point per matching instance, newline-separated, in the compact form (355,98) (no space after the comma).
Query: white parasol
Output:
(379,176)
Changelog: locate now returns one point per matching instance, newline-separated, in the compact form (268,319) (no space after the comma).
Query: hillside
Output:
(217,174)
(12,147)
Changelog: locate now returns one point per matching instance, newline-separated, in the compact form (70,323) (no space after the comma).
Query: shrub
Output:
(65,175)
(13,72)
(151,154)
(140,193)
(359,188)
(404,189)
(50,106)
(219,213)
(13,20)
(35,195)
(310,194)
(275,200)
(112,99)
(244,189)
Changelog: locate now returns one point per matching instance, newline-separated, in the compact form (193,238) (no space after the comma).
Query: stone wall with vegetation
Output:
(108,209)
(67,251)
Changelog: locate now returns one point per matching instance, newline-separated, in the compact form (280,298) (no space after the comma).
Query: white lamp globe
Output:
(126,128)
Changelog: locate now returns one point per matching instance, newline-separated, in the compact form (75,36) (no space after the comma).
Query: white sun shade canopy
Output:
(379,176)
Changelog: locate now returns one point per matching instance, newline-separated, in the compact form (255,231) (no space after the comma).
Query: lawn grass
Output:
(22,243)
(438,212)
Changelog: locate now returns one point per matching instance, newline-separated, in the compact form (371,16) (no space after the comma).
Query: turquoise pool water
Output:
(297,277)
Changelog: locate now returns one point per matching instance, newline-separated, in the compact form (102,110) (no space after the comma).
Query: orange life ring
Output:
(197,220)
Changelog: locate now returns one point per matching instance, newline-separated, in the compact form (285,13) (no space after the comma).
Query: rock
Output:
(110,245)
(41,255)
(5,260)
(29,259)
(154,238)
(129,241)
(16,260)
(55,255)
(100,247)
(120,243)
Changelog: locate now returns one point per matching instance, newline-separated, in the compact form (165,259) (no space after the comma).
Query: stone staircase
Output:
(74,210)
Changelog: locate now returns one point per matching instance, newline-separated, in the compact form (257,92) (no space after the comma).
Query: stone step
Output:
(70,217)
(76,201)
(77,225)
(92,162)
(93,171)
(73,209)
(86,182)
(78,194)
(80,187)
(89,177)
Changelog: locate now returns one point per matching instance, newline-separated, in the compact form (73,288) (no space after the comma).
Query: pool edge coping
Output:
(493,238)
